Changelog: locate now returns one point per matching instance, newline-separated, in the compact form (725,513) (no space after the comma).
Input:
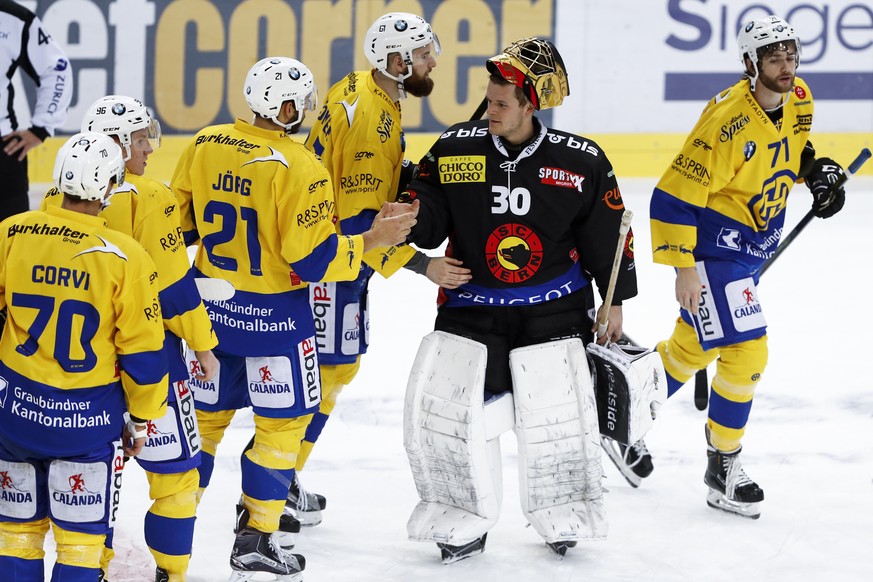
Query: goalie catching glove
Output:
(824,174)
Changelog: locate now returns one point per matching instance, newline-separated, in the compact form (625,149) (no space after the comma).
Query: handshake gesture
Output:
(824,174)
(392,225)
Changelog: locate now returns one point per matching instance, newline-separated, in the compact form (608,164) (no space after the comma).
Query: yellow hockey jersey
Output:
(147,210)
(724,195)
(360,141)
(262,207)
(83,315)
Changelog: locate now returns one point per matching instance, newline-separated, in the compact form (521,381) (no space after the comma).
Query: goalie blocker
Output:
(630,384)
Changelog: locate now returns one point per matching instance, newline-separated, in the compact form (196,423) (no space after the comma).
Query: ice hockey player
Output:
(358,133)
(261,206)
(717,214)
(534,212)
(81,345)
(147,210)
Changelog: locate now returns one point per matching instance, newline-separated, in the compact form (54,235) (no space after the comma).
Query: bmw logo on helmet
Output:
(400,25)
(750,26)
(84,142)
(275,61)
(248,90)
(294,73)
(119,109)
(69,175)
(778,28)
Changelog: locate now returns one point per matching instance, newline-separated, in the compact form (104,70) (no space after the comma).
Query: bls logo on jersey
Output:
(514,253)
(770,203)
(462,169)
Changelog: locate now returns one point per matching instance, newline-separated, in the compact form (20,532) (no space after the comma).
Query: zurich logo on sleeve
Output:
(61,65)
(3,385)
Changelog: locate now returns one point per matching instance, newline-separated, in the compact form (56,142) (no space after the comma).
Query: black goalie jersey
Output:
(533,226)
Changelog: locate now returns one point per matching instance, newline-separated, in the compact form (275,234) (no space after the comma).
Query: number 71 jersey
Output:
(725,193)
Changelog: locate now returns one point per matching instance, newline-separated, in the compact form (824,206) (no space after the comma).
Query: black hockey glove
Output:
(826,201)
(408,173)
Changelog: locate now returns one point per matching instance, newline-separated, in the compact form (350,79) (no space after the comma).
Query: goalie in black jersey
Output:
(534,213)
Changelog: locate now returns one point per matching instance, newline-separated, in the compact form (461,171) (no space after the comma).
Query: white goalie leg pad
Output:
(559,450)
(631,386)
(446,432)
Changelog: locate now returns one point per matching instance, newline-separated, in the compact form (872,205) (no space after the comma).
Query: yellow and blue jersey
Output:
(83,317)
(724,195)
(360,141)
(262,207)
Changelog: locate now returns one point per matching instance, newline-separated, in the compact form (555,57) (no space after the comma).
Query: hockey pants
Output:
(22,553)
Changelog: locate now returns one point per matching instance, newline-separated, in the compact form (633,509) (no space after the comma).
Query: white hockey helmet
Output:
(275,80)
(536,67)
(86,164)
(758,35)
(120,116)
(397,32)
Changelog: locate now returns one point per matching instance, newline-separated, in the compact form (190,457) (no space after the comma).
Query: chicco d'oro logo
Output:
(514,253)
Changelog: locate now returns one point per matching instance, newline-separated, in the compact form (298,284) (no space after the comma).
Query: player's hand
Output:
(447,272)
(392,225)
(208,365)
(20,142)
(824,174)
(614,323)
(134,437)
(688,289)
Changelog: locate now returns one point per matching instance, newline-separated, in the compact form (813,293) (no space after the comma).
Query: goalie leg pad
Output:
(452,441)
(559,451)
(631,385)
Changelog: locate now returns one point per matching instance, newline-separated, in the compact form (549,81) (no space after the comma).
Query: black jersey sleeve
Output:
(597,230)
(434,217)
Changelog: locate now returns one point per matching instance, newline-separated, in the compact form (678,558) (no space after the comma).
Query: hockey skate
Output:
(633,462)
(161,575)
(256,553)
(284,536)
(451,554)
(560,548)
(304,506)
(730,489)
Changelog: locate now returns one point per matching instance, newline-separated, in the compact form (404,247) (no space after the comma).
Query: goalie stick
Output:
(603,315)
(701,382)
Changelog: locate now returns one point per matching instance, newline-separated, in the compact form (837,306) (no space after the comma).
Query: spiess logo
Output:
(514,253)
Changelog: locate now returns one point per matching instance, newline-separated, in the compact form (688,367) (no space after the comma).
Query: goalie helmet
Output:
(275,80)
(397,32)
(537,68)
(120,116)
(758,37)
(86,164)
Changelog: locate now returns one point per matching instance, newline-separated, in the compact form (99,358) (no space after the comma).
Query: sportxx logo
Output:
(266,376)
(514,253)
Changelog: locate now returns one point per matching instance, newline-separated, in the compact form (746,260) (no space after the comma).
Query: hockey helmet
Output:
(397,32)
(275,80)
(758,37)
(120,116)
(534,65)
(86,164)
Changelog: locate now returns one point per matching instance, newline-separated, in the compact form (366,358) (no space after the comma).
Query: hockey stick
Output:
(853,168)
(480,111)
(603,316)
(701,383)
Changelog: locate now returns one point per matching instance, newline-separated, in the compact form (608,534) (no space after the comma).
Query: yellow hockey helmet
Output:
(534,65)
